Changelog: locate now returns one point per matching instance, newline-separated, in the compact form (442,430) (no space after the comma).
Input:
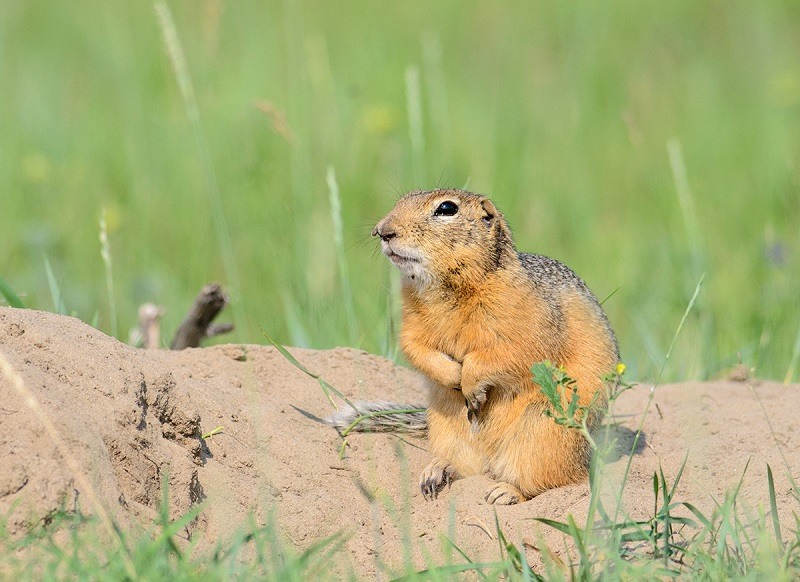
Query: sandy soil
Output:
(128,417)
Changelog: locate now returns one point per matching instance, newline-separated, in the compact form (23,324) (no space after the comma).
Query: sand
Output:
(126,419)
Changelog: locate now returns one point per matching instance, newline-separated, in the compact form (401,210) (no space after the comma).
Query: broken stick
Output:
(197,325)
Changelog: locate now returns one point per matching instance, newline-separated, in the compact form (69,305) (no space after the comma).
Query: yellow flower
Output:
(620,369)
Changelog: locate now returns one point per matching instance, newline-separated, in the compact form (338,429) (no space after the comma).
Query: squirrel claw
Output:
(504,494)
(434,478)
(475,404)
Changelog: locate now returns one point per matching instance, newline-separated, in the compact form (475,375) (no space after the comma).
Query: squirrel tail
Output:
(381,416)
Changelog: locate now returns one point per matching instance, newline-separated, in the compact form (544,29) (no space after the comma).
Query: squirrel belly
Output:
(476,316)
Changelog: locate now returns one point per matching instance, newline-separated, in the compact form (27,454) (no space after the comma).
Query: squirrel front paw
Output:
(434,478)
(475,401)
(450,373)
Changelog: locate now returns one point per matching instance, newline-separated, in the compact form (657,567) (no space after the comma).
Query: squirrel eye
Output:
(446,208)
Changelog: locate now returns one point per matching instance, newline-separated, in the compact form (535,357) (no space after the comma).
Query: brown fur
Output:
(476,316)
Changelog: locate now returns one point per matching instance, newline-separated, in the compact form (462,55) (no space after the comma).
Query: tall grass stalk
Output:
(698,255)
(105,253)
(790,372)
(181,70)
(341,258)
(775,441)
(688,212)
(437,88)
(297,330)
(638,435)
(415,125)
(55,288)
(393,315)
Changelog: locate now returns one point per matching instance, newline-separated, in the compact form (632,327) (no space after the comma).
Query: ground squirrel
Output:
(476,315)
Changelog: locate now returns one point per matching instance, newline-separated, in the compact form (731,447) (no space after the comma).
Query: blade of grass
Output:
(326,388)
(338,240)
(699,515)
(778,446)
(686,203)
(105,253)
(610,295)
(773,506)
(499,535)
(324,546)
(665,517)
(170,528)
(414,106)
(55,289)
(697,247)
(638,434)
(580,542)
(735,521)
(298,334)
(181,69)
(678,476)
(436,90)
(790,372)
(460,551)
(654,525)
(560,526)
(393,315)
(446,571)
(11,298)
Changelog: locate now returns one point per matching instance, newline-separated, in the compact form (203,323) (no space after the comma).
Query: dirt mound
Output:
(129,417)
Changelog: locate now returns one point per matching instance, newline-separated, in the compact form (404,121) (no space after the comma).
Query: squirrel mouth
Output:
(400,259)
(405,260)
(409,261)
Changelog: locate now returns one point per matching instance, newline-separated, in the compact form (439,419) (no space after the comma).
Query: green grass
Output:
(678,540)
(642,147)
(72,546)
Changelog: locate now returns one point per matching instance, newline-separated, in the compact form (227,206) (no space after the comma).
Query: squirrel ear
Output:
(489,209)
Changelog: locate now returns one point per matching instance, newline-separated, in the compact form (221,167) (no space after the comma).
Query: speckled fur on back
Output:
(552,277)
(476,315)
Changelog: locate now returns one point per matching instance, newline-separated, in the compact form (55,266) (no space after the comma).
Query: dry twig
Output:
(197,325)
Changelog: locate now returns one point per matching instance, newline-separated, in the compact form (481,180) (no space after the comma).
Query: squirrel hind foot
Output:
(435,477)
(503,493)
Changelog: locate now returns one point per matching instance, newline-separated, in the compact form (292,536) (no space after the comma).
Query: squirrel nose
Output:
(384,232)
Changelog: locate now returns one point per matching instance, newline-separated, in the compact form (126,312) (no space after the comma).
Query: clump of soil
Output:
(131,418)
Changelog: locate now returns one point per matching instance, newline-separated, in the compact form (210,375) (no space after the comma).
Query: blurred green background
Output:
(643,144)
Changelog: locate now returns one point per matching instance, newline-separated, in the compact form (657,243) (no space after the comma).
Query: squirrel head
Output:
(446,237)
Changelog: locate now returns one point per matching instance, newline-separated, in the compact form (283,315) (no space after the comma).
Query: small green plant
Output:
(564,405)
(559,388)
